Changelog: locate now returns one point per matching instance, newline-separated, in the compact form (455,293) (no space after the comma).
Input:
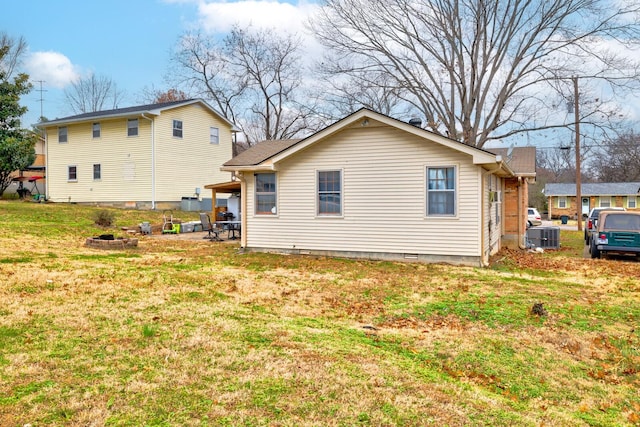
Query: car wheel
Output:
(587,241)
(595,252)
(529,224)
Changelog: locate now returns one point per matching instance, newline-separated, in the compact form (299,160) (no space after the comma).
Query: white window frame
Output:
(454,190)
(632,202)
(607,200)
(214,135)
(96,130)
(258,194)
(177,128)
(98,176)
(75,169)
(132,130)
(562,202)
(334,192)
(63,135)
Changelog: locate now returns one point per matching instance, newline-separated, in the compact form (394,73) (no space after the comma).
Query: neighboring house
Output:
(370,186)
(562,197)
(149,156)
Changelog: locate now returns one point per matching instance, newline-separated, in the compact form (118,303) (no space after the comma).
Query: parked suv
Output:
(533,217)
(591,222)
(617,232)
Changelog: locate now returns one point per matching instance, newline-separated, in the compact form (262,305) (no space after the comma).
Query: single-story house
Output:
(562,197)
(147,156)
(370,186)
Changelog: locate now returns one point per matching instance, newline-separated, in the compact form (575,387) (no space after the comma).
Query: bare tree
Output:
(480,70)
(15,50)
(154,96)
(201,67)
(93,93)
(253,77)
(619,160)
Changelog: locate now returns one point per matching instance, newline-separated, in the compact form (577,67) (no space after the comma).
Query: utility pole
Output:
(41,97)
(576,112)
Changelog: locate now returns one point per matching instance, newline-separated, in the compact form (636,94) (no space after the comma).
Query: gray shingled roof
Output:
(129,111)
(593,189)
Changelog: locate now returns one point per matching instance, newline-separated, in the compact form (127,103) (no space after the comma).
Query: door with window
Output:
(585,206)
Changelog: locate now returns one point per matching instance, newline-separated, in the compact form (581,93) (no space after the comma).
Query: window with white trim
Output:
(62,135)
(562,202)
(97,172)
(72,173)
(96,130)
(632,202)
(265,193)
(214,135)
(132,127)
(605,201)
(330,192)
(177,128)
(441,191)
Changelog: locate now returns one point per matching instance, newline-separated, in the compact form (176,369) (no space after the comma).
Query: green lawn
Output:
(189,332)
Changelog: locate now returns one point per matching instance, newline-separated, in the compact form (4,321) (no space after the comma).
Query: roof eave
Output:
(97,117)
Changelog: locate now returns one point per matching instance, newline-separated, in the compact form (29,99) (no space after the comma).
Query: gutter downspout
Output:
(485,255)
(153,162)
(521,239)
(243,201)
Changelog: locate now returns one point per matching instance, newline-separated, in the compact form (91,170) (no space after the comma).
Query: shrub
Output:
(104,218)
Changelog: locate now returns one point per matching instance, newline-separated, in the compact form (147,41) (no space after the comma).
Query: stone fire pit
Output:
(107,241)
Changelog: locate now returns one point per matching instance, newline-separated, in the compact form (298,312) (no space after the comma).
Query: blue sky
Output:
(127,41)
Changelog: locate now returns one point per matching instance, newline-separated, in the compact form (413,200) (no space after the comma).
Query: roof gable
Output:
(268,154)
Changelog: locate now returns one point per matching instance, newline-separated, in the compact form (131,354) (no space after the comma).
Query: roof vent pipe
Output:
(415,121)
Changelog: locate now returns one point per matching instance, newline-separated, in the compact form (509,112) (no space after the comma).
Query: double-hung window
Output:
(632,202)
(265,193)
(132,127)
(562,202)
(605,201)
(96,130)
(441,191)
(214,135)
(330,192)
(62,135)
(97,172)
(177,128)
(72,173)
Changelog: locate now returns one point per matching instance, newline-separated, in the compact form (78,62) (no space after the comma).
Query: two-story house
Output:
(146,157)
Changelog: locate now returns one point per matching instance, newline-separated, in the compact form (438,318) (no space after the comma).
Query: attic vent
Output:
(415,121)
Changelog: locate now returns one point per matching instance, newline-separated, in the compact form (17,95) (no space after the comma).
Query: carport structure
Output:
(229,187)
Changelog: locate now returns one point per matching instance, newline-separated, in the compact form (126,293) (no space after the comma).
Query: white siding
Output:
(384,198)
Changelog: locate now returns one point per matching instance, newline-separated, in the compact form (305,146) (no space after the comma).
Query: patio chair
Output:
(212,232)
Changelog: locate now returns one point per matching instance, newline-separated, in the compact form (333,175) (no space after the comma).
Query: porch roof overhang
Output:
(224,187)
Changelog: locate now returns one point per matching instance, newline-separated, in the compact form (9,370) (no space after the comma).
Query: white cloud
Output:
(219,16)
(53,67)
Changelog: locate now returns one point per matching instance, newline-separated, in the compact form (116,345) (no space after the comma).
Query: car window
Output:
(622,222)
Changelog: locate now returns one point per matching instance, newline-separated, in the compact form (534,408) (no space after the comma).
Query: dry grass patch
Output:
(181,332)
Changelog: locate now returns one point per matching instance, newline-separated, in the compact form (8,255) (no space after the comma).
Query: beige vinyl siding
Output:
(182,164)
(384,198)
(117,154)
